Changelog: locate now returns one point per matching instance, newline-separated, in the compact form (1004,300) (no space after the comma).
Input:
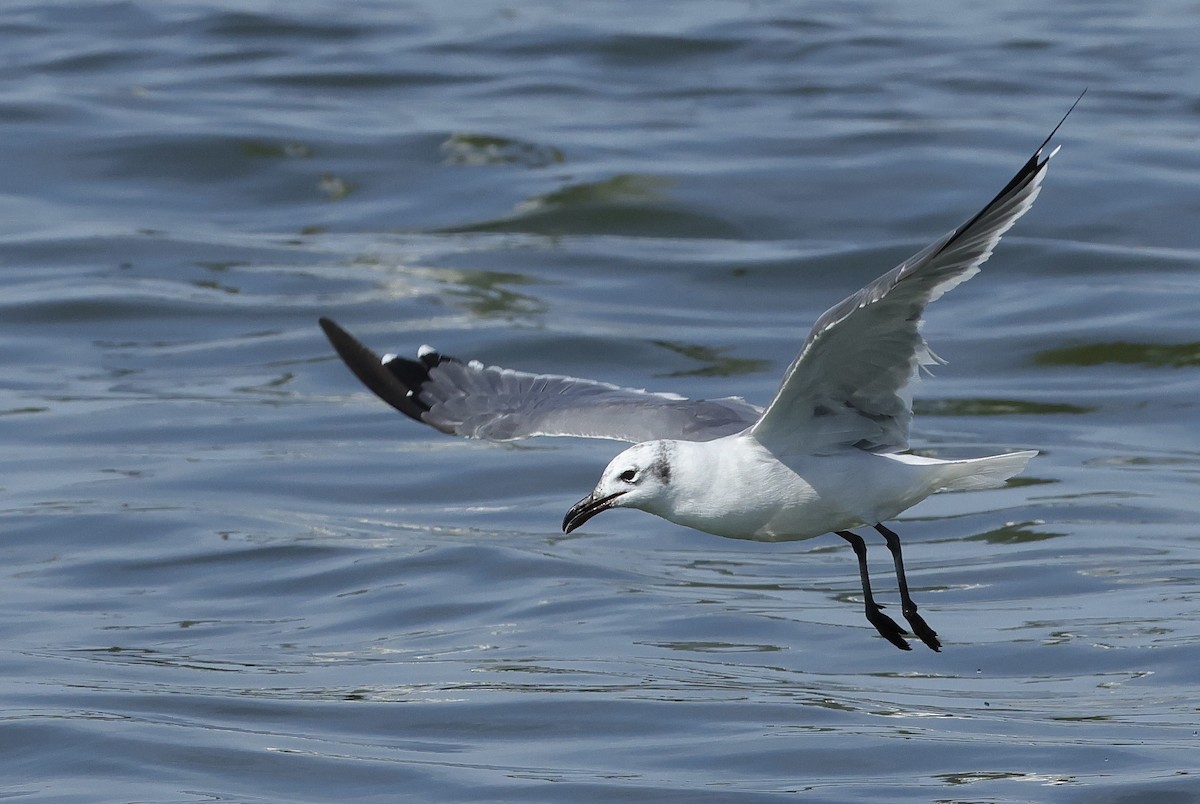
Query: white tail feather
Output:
(983,473)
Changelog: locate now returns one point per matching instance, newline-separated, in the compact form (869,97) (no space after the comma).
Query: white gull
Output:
(826,455)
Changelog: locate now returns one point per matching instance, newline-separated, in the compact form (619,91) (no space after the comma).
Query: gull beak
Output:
(587,508)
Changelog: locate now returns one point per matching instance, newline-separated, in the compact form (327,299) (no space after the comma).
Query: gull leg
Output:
(885,625)
(919,626)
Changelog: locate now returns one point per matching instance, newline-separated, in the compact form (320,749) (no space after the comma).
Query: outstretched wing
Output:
(848,386)
(470,399)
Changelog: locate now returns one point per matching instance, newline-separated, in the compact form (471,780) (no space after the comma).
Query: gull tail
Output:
(981,473)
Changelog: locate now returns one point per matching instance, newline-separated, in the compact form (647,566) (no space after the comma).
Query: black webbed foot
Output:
(888,628)
(922,630)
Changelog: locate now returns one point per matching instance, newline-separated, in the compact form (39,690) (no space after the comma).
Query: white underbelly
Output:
(776,502)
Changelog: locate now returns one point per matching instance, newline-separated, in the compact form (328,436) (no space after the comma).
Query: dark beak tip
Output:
(577,515)
(587,508)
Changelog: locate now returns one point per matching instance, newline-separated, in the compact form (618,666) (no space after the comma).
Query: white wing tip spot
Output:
(425,349)
(388,358)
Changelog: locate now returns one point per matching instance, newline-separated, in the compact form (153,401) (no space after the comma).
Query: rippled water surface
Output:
(232,574)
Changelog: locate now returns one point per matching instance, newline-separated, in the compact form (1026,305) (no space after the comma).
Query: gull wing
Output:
(850,383)
(477,401)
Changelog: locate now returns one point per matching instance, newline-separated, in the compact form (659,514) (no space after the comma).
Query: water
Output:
(230,574)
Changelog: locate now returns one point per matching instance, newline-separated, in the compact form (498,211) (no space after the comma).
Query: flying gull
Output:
(827,454)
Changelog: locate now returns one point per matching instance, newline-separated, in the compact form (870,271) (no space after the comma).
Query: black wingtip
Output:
(379,377)
(1050,136)
(1028,171)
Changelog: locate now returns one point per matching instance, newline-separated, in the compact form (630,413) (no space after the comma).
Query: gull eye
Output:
(628,475)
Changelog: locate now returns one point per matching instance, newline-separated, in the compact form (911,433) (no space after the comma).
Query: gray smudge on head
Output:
(661,467)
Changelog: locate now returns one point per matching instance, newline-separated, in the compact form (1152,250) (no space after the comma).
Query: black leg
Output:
(919,627)
(884,624)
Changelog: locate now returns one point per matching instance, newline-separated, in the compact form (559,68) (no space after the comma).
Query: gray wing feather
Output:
(499,404)
(850,383)
(477,401)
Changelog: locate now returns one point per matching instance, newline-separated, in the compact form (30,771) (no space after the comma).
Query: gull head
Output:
(640,477)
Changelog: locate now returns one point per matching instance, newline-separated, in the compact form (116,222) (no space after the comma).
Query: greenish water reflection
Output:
(1155,355)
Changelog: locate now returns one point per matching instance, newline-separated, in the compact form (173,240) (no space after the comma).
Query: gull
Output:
(827,455)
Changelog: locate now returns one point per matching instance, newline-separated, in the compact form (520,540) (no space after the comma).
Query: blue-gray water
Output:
(231,574)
